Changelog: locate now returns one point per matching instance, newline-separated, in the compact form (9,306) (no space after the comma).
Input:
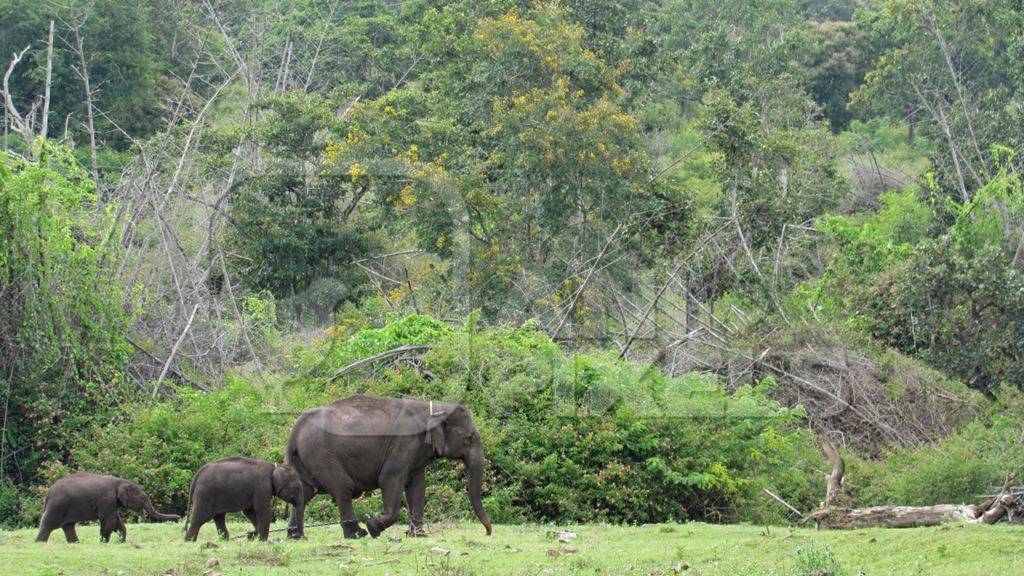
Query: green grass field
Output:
(464,549)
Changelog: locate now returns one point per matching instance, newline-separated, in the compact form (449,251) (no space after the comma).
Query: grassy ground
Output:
(464,549)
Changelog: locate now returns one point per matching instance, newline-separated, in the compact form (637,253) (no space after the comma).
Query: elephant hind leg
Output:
(221,526)
(199,517)
(69,532)
(48,523)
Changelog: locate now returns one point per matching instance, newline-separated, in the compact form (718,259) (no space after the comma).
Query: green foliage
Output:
(818,560)
(836,62)
(971,462)
(568,437)
(413,329)
(63,328)
(292,220)
(19,506)
(965,110)
(511,156)
(954,300)
(135,57)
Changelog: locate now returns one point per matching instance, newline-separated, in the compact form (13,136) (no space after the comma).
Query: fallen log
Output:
(893,516)
(833,514)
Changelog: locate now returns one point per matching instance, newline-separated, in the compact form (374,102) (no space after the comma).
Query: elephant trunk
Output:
(155,515)
(475,486)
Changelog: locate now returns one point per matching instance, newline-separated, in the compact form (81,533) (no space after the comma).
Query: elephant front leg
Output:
(120,527)
(391,494)
(254,519)
(416,499)
(108,525)
(260,518)
(69,532)
(298,517)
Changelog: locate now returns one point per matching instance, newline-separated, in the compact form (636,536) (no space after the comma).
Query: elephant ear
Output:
(435,428)
(123,494)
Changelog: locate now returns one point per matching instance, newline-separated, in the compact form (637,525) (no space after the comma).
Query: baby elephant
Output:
(83,496)
(241,485)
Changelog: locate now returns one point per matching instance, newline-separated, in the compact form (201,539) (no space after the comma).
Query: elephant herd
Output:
(351,446)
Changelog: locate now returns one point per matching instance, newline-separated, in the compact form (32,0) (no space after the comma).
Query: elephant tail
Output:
(188,505)
(292,458)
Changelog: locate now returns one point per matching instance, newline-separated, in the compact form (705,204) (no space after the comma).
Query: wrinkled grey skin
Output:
(83,497)
(244,485)
(361,443)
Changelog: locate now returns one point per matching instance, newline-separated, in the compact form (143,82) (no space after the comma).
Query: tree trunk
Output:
(893,516)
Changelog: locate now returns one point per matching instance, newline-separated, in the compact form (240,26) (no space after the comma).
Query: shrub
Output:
(954,470)
(815,560)
(62,325)
(569,437)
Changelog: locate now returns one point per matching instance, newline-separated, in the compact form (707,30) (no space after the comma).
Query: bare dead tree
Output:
(24,123)
(75,22)
(46,91)
(21,123)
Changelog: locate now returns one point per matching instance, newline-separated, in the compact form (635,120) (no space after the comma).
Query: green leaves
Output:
(62,325)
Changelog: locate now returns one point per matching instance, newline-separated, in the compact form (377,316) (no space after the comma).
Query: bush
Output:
(815,560)
(934,280)
(956,470)
(18,505)
(62,324)
(569,437)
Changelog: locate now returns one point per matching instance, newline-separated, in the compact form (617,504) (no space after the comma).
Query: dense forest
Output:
(660,248)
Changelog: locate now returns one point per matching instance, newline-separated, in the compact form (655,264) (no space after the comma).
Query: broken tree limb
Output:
(832,516)
(834,482)
(174,350)
(20,123)
(1002,504)
(381,356)
(783,502)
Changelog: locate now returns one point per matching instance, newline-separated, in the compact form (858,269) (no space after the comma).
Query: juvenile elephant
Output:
(243,485)
(361,443)
(83,497)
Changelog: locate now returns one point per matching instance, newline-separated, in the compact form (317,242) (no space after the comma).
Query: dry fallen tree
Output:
(835,513)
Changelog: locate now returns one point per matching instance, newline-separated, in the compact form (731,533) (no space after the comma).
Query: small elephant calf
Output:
(244,485)
(83,497)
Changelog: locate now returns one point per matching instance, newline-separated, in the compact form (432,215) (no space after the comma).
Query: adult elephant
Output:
(362,443)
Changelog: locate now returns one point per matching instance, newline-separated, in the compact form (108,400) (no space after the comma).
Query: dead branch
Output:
(381,356)
(49,77)
(174,349)
(834,481)
(783,502)
(20,123)
(586,281)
